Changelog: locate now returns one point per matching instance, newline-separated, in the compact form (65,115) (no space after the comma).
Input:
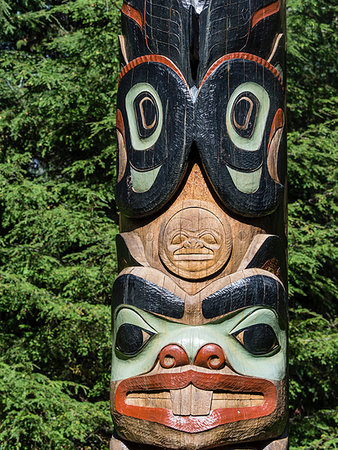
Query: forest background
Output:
(58,80)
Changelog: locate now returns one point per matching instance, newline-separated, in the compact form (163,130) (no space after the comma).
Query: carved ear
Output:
(267,252)
(130,251)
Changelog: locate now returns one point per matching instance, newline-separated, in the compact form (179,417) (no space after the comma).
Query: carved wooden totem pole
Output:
(200,304)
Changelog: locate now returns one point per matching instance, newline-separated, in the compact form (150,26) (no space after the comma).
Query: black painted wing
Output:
(155,111)
(239,102)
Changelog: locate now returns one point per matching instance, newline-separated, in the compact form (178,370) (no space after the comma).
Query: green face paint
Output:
(237,334)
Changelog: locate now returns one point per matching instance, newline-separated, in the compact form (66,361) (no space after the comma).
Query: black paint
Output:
(217,149)
(258,339)
(208,129)
(171,149)
(135,291)
(130,339)
(178,31)
(257,290)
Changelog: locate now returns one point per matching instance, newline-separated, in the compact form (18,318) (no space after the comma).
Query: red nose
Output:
(173,356)
(210,356)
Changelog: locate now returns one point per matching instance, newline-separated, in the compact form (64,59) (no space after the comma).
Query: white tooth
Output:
(201,403)
(191,401)
(181,401)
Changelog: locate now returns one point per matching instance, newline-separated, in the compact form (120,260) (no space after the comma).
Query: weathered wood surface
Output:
(200,304)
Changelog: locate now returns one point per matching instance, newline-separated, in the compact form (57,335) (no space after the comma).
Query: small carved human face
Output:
(195,243)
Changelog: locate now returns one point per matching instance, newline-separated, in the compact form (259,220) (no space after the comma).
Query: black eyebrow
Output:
(135,291)
(251,291)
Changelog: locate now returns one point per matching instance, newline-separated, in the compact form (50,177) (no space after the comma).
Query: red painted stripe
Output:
(265,12)
(151,58)
(248,57)
(133,14)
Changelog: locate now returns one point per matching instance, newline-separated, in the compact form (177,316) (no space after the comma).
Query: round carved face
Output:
(195,243)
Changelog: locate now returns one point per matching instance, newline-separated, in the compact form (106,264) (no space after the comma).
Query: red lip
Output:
(201,380)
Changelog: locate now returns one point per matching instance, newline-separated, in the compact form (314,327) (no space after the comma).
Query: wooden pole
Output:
(200,304)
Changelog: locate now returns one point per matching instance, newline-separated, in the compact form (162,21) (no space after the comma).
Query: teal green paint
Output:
(143,180)
(136,141)
(246,182)
(192,338)
(254,142)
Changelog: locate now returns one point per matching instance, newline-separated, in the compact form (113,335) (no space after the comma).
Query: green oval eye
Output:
(130,339)
(258,339)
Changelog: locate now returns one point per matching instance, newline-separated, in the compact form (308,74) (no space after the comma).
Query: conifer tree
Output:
(58,220)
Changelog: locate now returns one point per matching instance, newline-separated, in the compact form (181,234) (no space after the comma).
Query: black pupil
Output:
(146,113)
(259,339)
(129,339)
(244,114)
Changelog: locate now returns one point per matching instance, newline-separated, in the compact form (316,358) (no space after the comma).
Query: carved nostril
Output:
(173,356)
(210,356)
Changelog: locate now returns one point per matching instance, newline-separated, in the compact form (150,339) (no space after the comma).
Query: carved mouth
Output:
(191,401)
(194,401)
(193,254)
(193,257)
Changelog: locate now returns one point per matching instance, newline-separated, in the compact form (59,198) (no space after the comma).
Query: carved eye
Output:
(208,238)
(258,339)
(246,116)
(146,112)
(145,116)
(130,339)
(179,239)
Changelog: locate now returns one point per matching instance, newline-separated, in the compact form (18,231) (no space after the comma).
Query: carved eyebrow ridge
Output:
(252,291)
(131,290)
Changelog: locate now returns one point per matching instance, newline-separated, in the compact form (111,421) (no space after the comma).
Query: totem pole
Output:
(200,304)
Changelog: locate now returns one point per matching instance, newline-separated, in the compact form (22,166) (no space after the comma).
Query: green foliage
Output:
(58,77)
(58,80)
(41,413)
(313,250)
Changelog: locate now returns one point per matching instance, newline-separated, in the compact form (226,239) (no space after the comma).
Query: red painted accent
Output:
(119,122)
(151,58)
(202,380)
(210,356)
(272,265)
(173,356)
(133,14)
(246,56)
(278,122)
(264,12)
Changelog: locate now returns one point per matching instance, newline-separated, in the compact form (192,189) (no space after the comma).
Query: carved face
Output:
(195,243)
(212,377)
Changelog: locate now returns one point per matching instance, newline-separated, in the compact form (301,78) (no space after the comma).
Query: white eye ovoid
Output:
(145,116)
(246,116)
